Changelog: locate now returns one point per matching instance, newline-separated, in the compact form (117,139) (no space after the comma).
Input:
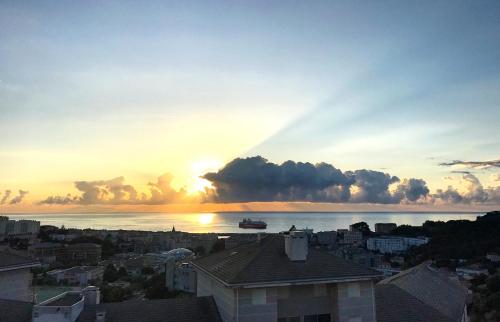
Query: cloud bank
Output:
(473,164)
(116,192)
(255,179)
(15,200)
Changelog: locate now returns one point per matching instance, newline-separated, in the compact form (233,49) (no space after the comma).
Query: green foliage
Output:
(363,227)
(218,246)
(200,250)
(110,274)
(155,288)
(115,294)
(493,284)
(455,239)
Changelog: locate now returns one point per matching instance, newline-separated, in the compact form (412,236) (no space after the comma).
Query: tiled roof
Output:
(429,287)
(194,309)
(395,305)
(12,261)
(266,262)
(15,311)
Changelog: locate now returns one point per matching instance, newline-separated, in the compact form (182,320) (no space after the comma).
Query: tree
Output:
(218,246)
(110,274)
(200,250)
(156,288)
(363,227)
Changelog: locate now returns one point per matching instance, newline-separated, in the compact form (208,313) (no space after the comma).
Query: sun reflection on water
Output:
(206,219)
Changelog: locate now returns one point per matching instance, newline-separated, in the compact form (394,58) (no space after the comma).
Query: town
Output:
(50,273)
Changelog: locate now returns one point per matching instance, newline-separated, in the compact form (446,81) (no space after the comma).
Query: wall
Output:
(353,304)
(224,297)
(257,305)
(16,285)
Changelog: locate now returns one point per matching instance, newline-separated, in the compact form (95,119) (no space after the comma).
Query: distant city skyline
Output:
(201,106)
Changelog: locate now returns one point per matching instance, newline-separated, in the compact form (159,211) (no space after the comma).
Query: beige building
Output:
(280,278)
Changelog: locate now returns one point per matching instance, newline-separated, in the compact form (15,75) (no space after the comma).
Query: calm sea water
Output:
(228,222)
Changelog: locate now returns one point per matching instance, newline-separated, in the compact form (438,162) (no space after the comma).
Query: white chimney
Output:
(296,246)
(92,295)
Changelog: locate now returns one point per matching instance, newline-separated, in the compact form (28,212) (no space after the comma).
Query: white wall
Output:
(16,285)
(224,297)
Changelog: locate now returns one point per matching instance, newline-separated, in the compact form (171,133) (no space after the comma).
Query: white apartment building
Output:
(394,244)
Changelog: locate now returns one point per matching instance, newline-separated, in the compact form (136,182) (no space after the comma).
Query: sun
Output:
(199,168)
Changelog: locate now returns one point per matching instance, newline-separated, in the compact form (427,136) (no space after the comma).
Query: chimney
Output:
(296,246)
(92,295)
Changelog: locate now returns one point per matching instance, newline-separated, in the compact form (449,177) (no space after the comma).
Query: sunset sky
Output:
(116,105)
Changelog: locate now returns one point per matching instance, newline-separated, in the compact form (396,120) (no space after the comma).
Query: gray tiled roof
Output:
(8,261)
(431,288)
(195,309)
(15,311)
(395,305)
(266,262)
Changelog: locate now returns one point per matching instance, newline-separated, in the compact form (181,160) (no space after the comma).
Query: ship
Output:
(255,224)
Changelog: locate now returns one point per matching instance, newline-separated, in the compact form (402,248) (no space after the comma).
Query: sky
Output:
(200,104)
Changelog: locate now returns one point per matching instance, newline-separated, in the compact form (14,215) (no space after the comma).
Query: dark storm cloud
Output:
(411,190)
(19,197)
(256,179)
(473,164)
(373,186)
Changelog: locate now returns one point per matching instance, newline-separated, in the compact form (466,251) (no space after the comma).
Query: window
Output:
(353,290)
(317,318)
(290,319)
(259,296)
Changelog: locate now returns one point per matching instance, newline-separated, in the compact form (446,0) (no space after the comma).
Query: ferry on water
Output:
(254,224)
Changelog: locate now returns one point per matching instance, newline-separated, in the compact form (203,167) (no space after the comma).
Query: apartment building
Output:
(280,278)
(16,277)
(394,244)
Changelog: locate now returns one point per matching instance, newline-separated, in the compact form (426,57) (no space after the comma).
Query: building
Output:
(327,238)
(15,311)
(16,277)
(360,256)
(85,306)
(280,278)
(78,254)
(471,271)
(421,294)
(82,253)
(394,244)
(180,276)
(18,228)
(385,228)
(348,237)
(79,275)
(495,258)
(47,253)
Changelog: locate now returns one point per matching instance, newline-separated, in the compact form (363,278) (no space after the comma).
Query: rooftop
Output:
(195,309)
(66,299)
(266,262)
(11,261)
(430,292)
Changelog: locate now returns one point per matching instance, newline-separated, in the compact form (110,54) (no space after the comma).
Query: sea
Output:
(227,222)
